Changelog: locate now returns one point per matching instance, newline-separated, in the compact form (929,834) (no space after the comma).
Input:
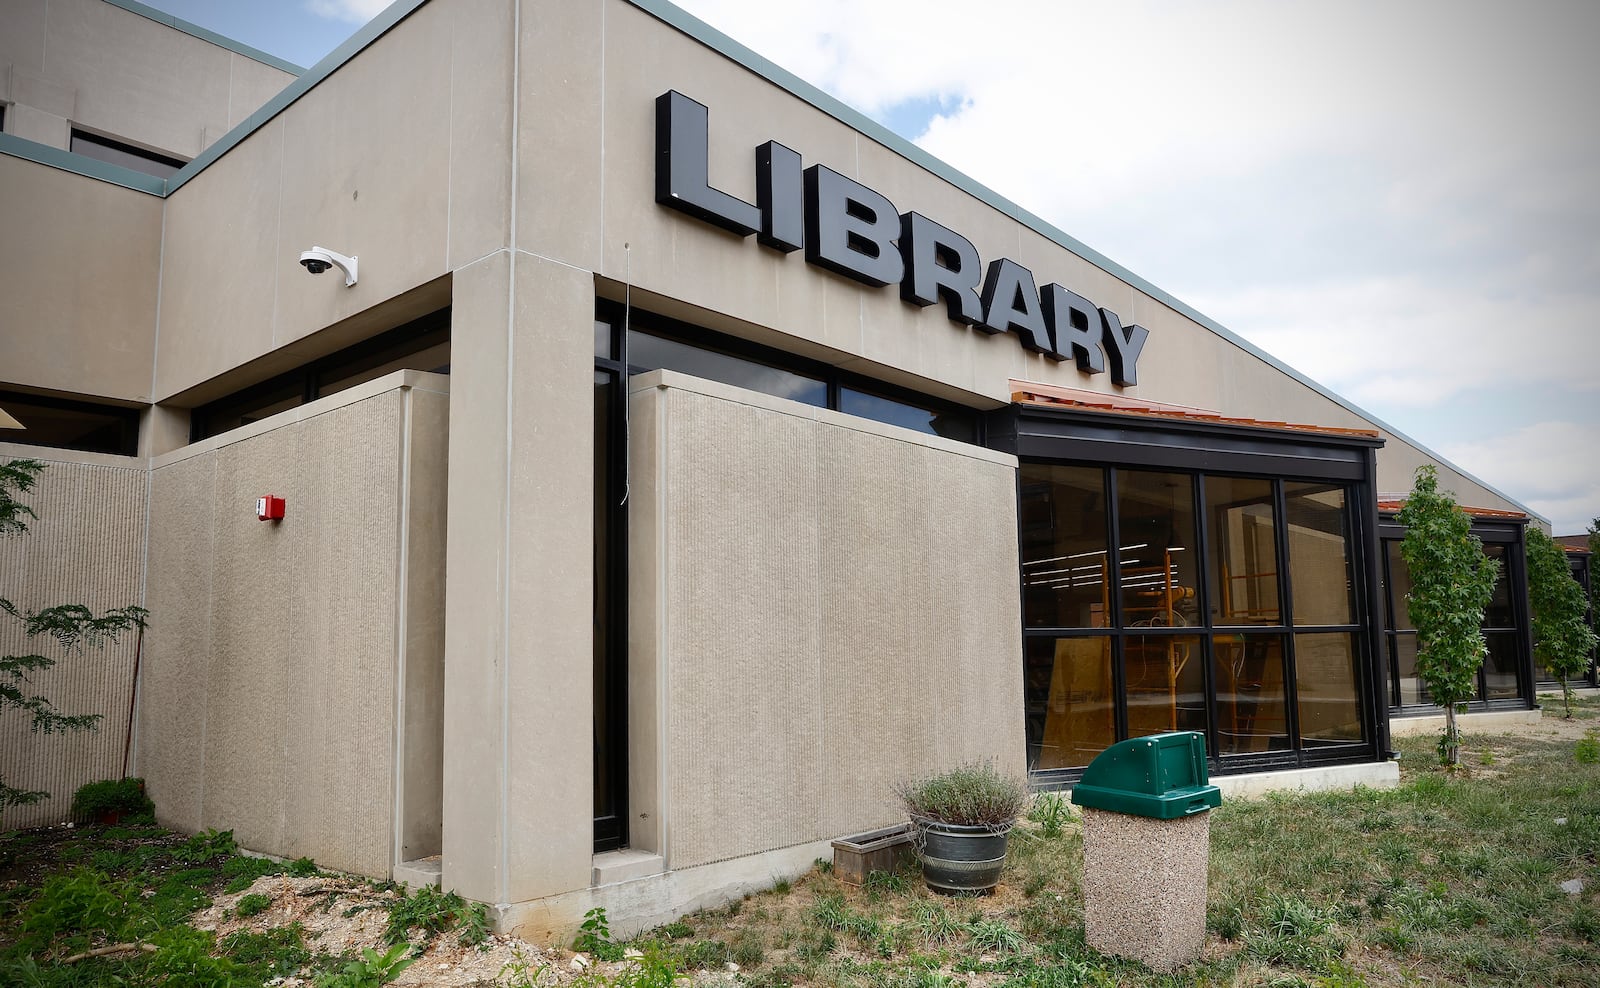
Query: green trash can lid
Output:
(1162,776)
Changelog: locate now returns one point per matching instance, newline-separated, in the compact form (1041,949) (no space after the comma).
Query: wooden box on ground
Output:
(859,855)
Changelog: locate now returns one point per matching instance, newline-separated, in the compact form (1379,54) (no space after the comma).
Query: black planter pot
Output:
(960,859)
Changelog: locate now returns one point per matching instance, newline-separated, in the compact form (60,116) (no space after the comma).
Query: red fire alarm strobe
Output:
(269,508)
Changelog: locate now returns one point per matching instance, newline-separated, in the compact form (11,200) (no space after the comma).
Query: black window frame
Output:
(308,382)
(1509,533)
(166,164)
(122,419)
(1114,441)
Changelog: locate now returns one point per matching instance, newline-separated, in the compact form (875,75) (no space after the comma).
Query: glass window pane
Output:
(933,422)
(1404,656)
(1166,684)
(1243,550)
(1500,665)
(1250,694)
(1063,541)
(646,353)
(70,425)
(126,155)
(1157,547)
(1499,614)
(1320,574)
(1399,586)
(1071,717)
(1327,689)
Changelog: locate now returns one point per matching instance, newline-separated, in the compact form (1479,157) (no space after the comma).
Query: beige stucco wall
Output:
(822,606)
(85,547)
(78,267)
(295,659)
(93,65)
(399,158)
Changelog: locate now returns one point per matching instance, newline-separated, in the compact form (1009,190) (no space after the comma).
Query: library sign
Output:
(851,230)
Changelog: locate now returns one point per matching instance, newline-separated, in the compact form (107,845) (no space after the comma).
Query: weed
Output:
(932,923)
(1587,750)
(206,846)
(183,957)
(830,912)
(252,904)
(277,951)
(1051,811)
(434,912)
(242,871)
(885,883)
(594,936)
(372,970)
(747,950)
(782,886)
(677,931)
(823,866)
(1297,935)
(303,868)
(76,906)
(996,935)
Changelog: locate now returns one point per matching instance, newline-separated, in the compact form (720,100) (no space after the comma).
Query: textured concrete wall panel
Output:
(833,604)
(85,547)
(283,638)
(744,654)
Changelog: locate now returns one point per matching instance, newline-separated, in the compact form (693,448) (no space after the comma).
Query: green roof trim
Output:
(195,30)
(720,43)
(44,154)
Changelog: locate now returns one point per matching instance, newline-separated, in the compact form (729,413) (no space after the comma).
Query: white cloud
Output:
(1396,199)
(1550,464)
(353,11)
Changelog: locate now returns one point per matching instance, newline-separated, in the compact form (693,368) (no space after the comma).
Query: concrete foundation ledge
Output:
(1479,722)
(1377,775)
(640,904)
(418,873)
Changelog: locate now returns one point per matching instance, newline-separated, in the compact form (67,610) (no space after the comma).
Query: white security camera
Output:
(319,259)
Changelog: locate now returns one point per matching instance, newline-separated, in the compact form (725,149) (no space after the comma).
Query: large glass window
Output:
(126,155)
(1198,634)
(1506,669)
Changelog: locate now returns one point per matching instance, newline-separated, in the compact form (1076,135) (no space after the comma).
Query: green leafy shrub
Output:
(206,846)
(594,936)
(112,798)
(371,970)
(77,906)
(972,795)
(433,912)
(1562,640)
(252,904)
(1587,750)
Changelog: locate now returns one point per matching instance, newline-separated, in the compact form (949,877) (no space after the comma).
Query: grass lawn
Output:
(1449,879)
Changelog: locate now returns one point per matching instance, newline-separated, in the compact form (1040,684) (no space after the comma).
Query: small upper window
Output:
(117,153)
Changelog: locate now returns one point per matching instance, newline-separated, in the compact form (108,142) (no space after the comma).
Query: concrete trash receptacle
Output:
(1146,846)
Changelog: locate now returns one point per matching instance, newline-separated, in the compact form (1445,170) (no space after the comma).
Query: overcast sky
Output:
(1400,200)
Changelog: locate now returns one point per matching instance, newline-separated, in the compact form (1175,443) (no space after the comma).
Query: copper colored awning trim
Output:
(1049,396)
(1389,506)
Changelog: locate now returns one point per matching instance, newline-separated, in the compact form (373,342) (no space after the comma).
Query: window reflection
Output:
(1251,710)
(1166,684)
(647,353)
(1319,554)
(1327,689)
(1071,713)
(925,420)
(1063,543)
(1244,551)
(1158,573)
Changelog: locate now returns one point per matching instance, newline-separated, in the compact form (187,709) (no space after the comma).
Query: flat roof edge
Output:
(372,31)
(196,31)
(726,46)
(44,154)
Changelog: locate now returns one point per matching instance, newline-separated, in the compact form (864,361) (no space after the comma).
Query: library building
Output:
(567,458)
